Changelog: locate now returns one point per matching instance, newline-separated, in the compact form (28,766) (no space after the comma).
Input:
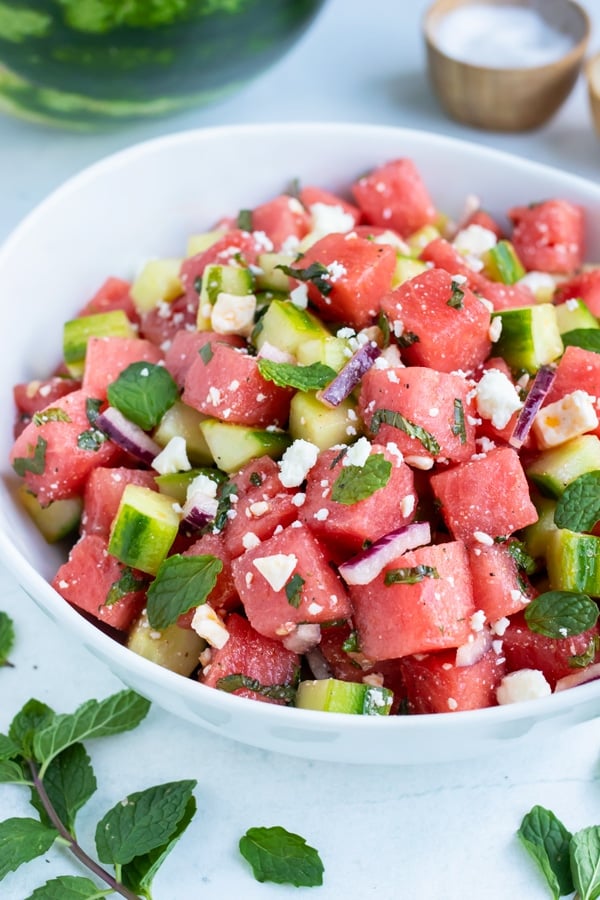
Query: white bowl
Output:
(144,202)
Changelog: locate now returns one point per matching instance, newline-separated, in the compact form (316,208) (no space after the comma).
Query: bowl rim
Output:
(573,57)
(111,651)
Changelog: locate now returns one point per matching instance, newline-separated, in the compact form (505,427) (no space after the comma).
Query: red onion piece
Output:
(127,434)
(583,676)
(349,376)
(318,664)
(365,566)
(270,351)
(199,510)
(471,652)
(542,383)
(303,638)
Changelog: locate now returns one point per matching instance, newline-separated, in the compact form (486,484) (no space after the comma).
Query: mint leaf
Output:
(244,220)
(355,483)
(117,713)
(547,841)
(33,716)
(143,392)
(139,874)
(7,637)
(304,378)
(142,822)
(22,840)
(458,426)
(206,353)
(293,590)
(69,887)
(8,748)
(586,338)
(585,862)
(316,273)
(237,681)
(181,583)
(224,505)
(582,660)
(351,644)
(91,439)
(51,414)
(126,584)
(11,772)
(524,561)
(456,296)
(397,420)
(35,463)
(561,614)
(578,509)
(69,782)
(409,575)
(282,857)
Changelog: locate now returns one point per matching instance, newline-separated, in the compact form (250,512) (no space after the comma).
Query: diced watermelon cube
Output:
(394,196)
(280,219)
(161,323)
(224,597)
(103,490)
(112,294)
(499,588)
(290,562)
(435,402)
(249,653)
(549,236)
(398,619)
(185,347)
(584,286)
(85,580)
(107,357)
(486,496)
(450,323)
(311,195)
(435,684)
(344,528)
(578,369)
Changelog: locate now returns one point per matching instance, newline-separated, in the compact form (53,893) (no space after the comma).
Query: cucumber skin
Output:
(138,538)
(573,562)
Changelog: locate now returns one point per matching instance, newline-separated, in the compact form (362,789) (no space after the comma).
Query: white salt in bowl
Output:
(504,65)
(158,193)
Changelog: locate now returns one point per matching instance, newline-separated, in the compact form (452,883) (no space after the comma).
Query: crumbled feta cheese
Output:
(407,505)
(208,625)
(276,569)
(477,620)
(524,684)
(172,458)
(482,538)
(474,240)
(327,218)
(250,540)
(296,462)
(358,453)
(233,314)
(497,398)
(322,514)
(299,296)
(495,329)
(572,415)
(541,284)
(500,626)
(452,704)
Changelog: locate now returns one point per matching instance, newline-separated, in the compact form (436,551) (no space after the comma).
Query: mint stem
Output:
(74,847)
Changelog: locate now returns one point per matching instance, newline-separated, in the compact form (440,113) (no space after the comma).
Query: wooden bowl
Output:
(592,71)
(498,98)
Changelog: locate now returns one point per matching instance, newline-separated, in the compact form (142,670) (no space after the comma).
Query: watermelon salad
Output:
(343,454)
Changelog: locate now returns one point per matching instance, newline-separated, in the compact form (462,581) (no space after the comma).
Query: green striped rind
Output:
(144,528)
(573,562)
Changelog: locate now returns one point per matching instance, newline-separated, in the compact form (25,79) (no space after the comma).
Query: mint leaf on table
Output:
(32,717)
(547,841)
(68,887)
(355,483)
(585,862)
(304,378)
(7,637)
(561,614)
(142,822)
(139,874)
(95,718)
(12,773)
(22,840)
(578,509)
(181,583)
(69,784)
(586,338)
(282,857)
(143,392)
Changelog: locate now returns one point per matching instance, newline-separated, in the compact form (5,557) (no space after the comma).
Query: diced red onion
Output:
(349,376)
(542,383)
(317,664)
(200,509)
(365,566)
(274,354)
(582,676)
(303,638)
(127,434)
(472,651)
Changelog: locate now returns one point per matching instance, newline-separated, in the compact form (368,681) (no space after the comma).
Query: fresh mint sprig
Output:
(44,751)
(280,856)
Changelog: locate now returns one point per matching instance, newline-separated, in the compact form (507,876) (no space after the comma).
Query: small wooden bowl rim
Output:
(573,56)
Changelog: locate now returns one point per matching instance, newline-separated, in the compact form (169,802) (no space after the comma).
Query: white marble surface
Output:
(421,832)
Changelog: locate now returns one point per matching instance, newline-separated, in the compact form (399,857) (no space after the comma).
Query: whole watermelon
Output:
(87,62)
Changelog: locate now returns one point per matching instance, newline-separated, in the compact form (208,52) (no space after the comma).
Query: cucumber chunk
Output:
(181,419)
(321,425)
(269,276)
(55,521)
(175,484)
(574,314)
(530,337)
(158,282)
(333,695)
(217,279)
(77,332)
(232,446)
(554,469)
(287,327)
(144,528)
(573,562)
(174,648)
(536,536)
(501,263)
